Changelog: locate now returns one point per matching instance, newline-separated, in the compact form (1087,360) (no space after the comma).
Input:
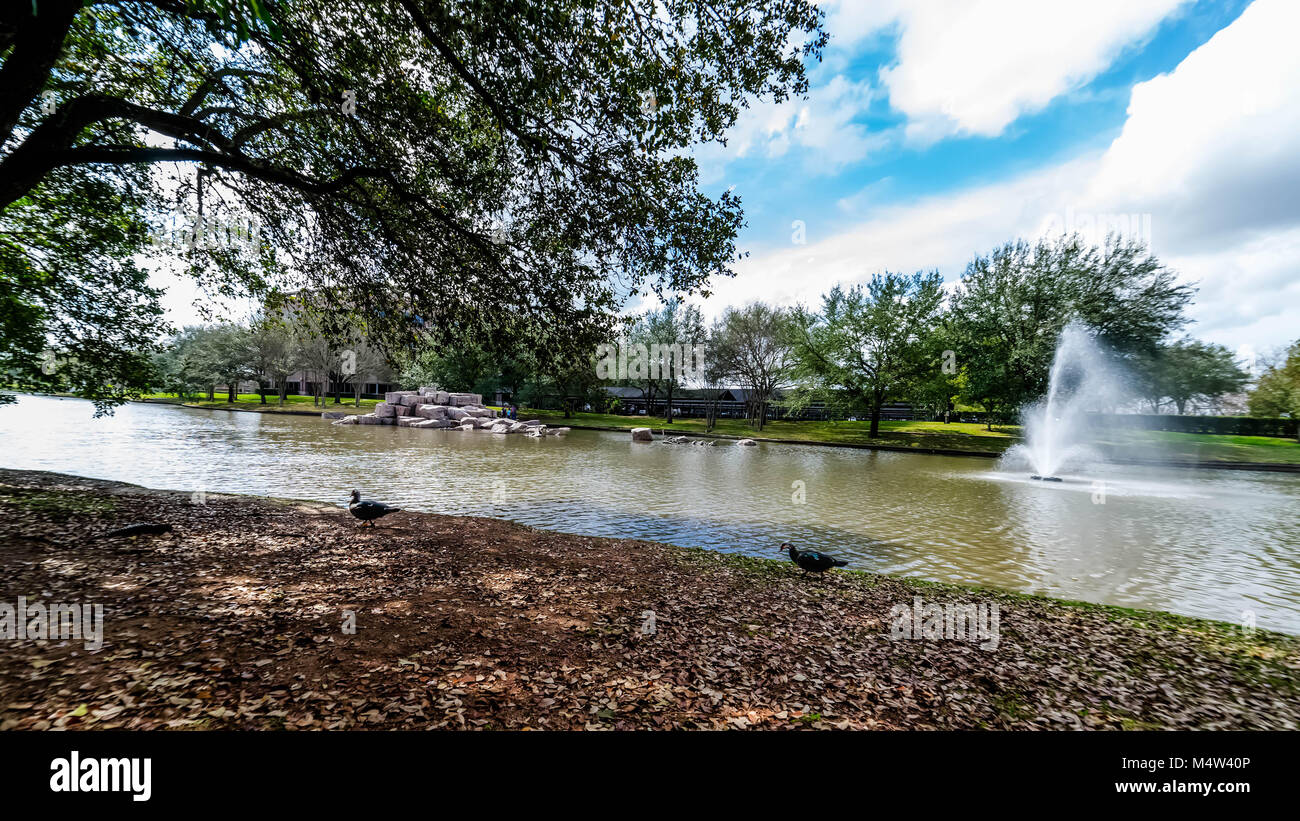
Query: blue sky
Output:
(936,129)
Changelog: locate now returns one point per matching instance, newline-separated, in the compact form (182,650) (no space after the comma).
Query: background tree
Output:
(173,371)
(1011,306)
(663,332)
(1186,371)
(1277,393)
(873,344)
(752,346)
(360,360)
(273,355)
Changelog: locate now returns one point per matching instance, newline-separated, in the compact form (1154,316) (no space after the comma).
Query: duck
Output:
(811,560)
(369,511)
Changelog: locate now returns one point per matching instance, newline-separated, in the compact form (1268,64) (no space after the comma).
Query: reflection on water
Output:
(1207,543)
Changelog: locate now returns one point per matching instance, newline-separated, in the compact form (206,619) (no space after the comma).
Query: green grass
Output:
(59,502)
(251,401)
(1153,444)
(965,436)
(955,436)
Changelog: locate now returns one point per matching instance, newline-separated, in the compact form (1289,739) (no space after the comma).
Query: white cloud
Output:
(941,232)
(824,123)
(975,66)
(1210,151)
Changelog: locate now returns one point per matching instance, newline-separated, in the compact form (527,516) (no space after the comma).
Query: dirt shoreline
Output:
(234,620)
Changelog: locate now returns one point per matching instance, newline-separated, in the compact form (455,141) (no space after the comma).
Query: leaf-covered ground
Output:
(234,620)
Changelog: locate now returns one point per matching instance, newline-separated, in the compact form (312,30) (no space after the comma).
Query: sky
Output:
(935,130)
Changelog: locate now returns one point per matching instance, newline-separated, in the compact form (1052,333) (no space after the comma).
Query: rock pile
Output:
(433,409)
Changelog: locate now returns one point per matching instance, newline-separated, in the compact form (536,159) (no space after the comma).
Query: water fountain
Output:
(1057,431)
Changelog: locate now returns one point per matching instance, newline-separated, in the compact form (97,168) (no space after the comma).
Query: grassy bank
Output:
(960,436)
(235,619)
(253,402)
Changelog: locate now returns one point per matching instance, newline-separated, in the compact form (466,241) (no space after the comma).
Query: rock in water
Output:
(746,442)
(642,435)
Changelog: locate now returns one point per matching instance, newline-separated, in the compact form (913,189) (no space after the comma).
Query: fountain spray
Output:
(1057,432)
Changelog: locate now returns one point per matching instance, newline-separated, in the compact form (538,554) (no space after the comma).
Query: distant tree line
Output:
(987,343)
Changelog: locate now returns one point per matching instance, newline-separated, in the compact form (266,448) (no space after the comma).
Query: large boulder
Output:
(348,419)
(456,413)
(441,398)
(402,410)
(412,400)
(746,442)
(384,410)
(462,399)
(433,424)
(430,411)
(642,435)
(333,415)
(372,419)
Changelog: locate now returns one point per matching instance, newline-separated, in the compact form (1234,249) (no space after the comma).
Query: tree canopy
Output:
(1010,307)
(503,170)
(873,343)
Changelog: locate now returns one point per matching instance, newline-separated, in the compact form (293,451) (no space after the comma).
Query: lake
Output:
(1197,542)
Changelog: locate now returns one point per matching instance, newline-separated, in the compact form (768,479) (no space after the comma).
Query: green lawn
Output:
(954,436)
(251,401)
(1134,444)
(1156,444)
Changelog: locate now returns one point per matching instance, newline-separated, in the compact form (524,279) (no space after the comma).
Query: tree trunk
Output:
(284,390)
(874,432)
(668,409)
